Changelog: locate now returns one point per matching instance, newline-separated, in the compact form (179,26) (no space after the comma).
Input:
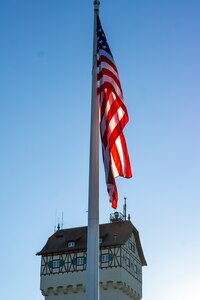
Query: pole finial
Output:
(96,4)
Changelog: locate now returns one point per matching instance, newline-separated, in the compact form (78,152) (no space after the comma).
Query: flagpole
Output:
(92,271)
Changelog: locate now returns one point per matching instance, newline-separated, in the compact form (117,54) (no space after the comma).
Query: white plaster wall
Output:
(64,286)
(62,279)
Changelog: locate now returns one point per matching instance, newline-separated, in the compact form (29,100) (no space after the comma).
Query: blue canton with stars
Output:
(101,38)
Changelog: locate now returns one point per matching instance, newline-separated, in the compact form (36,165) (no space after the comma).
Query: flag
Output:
(113,117)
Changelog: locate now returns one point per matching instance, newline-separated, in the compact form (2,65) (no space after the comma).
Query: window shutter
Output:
(61,263)
(110,257)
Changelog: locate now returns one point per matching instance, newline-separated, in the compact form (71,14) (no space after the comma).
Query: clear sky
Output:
(45,88)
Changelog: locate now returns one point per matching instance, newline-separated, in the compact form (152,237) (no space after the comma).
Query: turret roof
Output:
(112,234)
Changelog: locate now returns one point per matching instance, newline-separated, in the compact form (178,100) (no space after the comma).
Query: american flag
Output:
(113,117)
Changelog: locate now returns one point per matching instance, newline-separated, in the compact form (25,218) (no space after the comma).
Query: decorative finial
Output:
(96,5)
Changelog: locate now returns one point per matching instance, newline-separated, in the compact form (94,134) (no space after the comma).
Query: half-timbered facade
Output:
(64,260)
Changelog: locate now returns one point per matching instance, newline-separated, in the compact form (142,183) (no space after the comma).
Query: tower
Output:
(64,259)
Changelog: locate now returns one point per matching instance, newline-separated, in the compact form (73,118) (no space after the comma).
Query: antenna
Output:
(62,220)
(124,209)
(58,225)
(55,221)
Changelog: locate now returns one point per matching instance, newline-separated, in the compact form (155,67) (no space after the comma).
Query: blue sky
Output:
(45,88)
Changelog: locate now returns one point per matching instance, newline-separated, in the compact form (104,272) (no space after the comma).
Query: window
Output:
(71,244)
(131,247)
(104,258)
(100,240)
(80,261)
(56,264)
(128,262)
(135,268)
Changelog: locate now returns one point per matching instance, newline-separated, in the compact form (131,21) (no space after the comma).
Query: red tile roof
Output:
(112,234)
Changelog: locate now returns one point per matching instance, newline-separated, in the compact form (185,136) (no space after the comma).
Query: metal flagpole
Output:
(92,271)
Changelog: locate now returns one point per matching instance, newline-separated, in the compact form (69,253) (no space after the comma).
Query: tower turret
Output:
(64,260)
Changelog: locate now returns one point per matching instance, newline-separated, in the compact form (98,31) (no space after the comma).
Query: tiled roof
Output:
(112,234)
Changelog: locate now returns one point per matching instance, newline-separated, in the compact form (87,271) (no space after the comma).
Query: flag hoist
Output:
(109,111)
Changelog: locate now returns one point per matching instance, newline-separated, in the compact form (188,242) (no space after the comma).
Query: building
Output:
(64,258)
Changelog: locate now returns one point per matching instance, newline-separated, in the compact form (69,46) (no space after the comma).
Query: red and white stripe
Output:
(113,118)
